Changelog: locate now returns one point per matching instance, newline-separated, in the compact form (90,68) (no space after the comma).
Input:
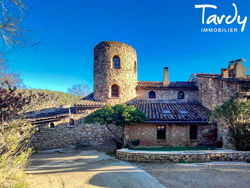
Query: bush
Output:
(14,151)
(234,116)
(239,136)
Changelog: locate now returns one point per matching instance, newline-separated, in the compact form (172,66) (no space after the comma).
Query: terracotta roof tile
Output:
(173,85)
(52,114)
(89,101)
(154,111)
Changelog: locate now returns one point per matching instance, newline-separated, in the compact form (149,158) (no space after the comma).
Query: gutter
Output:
(46,120)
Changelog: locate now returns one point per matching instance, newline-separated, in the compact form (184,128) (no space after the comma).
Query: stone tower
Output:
(115,72)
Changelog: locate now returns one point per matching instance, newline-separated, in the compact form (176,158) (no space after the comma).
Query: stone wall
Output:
(105,75)
(170,95)
(63,135)
(213,91)
(188,157)
(176,134)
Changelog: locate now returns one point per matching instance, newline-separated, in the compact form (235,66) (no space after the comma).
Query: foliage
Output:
(80,90)
(234,115)
(13,104)
(16,131)
(56,98)
(14,150)
(119,115)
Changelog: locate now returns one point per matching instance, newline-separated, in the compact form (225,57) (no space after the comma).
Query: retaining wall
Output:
(182,156)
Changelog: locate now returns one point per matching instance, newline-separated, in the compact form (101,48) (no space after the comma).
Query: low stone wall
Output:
(63,135)
(183,156)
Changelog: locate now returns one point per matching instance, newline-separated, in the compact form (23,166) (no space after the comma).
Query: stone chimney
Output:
(166,79)
(236,69)
(224,73)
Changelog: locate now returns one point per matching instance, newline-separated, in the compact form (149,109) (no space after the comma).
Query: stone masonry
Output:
(169,95)
(176,134)
(63,134)
(105,75)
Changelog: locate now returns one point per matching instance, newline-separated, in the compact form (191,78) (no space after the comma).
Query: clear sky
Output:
(163,32)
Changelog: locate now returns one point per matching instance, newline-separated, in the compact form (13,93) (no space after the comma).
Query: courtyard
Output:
(96,166)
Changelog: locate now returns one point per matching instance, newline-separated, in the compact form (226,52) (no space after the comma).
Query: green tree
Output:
(119,115)
(234,116)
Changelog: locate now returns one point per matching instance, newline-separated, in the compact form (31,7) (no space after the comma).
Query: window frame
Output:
(117,92)
(53,125)
(150,95)
(183,95)
(116,62)
(161,132)
(191,133)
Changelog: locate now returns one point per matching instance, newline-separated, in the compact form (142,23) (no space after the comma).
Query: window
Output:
(51,125)
(71,122)
(152,95)
(116,62)
(135,67)
(181,95)
(193,132)
(114,91)
(166,111)
(183,111)
(161,130)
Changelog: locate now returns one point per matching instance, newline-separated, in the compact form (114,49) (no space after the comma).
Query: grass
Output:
(176,148)
(17,179)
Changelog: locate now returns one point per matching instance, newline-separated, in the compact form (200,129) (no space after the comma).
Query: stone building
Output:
(178,112)
(216,88)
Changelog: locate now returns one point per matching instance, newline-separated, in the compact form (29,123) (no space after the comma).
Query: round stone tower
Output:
(115,72)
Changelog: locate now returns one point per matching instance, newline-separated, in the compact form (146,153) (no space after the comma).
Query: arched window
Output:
(180,95)
(135,67)
(71,122)
(115,91)
(51,125)
(116,62)
(152,95)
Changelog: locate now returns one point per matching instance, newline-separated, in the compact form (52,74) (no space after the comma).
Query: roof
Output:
(52,113)
(89,101)
(219,77)
(154,111)
(142,85)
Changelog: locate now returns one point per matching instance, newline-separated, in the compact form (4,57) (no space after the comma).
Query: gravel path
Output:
(216,174)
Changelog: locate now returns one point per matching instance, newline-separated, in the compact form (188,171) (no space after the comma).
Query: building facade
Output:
(178,112)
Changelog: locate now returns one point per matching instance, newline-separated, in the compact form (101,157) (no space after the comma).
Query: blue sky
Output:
(163,32)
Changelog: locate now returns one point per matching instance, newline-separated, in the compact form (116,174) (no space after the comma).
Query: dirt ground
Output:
(86,167)
(216,174)
(90,166)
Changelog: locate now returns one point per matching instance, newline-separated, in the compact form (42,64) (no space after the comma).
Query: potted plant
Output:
(135,142)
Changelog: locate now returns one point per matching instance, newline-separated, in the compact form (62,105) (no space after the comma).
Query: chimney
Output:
(224,73)
(236,69)
(166,79)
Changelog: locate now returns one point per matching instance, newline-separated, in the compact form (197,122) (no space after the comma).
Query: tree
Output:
(234,116)
(15,129)
(12,32)
(79,90)
(119,115)
(11,77)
